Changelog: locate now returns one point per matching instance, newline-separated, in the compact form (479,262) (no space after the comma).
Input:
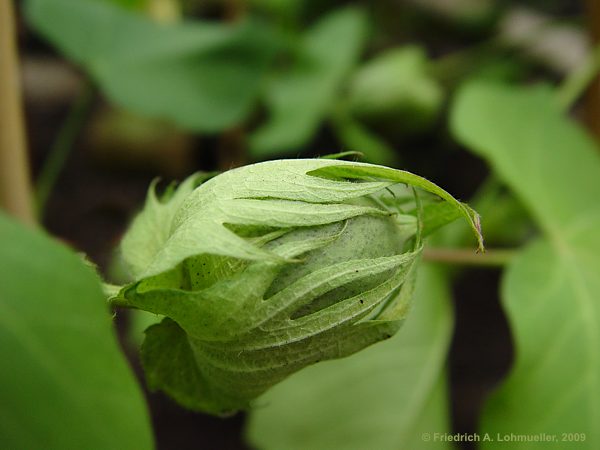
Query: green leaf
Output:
(395,89)
(550,292)
(300,98)
(356,137)
(202,76)
(129,4)
(64,382)
(287,11)
(507,222)
(382,398)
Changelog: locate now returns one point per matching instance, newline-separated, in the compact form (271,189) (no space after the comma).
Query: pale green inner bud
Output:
(361,237)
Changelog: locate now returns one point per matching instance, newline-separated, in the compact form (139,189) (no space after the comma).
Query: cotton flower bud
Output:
(268,268)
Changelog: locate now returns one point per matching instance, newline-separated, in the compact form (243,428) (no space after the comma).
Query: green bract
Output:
(265,269)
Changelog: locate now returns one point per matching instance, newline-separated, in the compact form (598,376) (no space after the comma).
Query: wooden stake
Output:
(15,183)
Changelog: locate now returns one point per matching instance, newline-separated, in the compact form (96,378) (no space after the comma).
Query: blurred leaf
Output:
(505,222)
(164,11)
(288,10)
(467,14)
(556,44)
(65,384)
(203,76)
(120,140)
(130,4)
(396,91)
(382,398)
(500,69)
(299,99)
(356,137)
(551,291)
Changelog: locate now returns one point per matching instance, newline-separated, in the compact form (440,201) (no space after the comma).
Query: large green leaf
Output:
(383,398)
(203,76)
(551,291)
(63,382)
(301,97)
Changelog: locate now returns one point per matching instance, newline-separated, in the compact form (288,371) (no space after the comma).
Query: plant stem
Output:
(467,257)
(15,183)
(576,83)
(62,147)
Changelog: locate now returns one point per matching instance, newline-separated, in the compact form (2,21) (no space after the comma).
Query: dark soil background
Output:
(96,196)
